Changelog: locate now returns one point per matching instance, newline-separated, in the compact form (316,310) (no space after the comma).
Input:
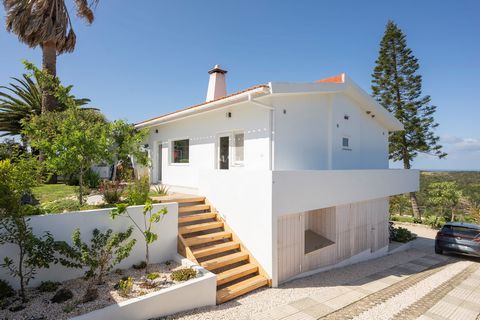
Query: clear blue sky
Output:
(142,59)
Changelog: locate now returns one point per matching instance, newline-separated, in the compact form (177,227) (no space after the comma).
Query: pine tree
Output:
(398,87)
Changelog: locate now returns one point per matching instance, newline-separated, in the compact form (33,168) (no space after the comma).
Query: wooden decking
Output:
(206,239)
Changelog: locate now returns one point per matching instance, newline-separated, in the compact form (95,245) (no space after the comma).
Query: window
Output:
(345,142)
(238,141)
(180,151)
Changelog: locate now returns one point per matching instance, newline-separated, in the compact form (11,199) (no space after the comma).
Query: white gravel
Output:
(392,306)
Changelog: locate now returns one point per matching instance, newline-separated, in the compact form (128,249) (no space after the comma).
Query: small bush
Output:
(402,235)
(153,276)
(435,222)
(417,220)
(125,286)
(137,192)
(111,191)
(161,190)
(30,210)
(183,274)
(91,179)
(48,286)
(62,205)
(6,290)
(402,218)
(141,265)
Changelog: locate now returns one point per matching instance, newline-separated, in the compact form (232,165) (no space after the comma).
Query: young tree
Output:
(71,141)
(126,142)
(443,195)
(397,86)
(149,218)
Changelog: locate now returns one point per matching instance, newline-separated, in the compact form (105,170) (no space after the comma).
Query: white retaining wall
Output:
(62,225)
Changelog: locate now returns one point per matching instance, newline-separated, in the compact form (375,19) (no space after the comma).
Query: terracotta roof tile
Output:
(206,102)
(339,78)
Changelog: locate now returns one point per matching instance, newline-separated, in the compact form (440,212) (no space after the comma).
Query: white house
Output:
(297,172)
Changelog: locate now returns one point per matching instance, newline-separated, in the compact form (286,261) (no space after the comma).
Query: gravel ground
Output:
(40,307)
(265,299)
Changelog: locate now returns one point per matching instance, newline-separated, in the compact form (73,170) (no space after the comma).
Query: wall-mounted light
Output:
(229,114)
(338,126)
(284,111)
(156,130)
(373,116)
(368,112)
(346,117)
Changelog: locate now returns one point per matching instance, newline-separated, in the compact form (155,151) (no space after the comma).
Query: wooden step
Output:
(236,273)
(179,199)
(196,217)
(197,207)
(224,260)
(200,227)
(216,248)
(206,238)
(237,289)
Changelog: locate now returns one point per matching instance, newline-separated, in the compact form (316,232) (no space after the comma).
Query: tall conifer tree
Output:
(398,87)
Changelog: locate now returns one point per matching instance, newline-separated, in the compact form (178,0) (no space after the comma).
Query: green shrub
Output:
(402,235)
(30,210)
(183,274)
(435,222)
(125,286)
(48,286)
(62,205)
(111,191)
(161,190)
(137,191)
(6,290)
(140,265)
(417,220)
(153,276)
(91,179)
(402,218)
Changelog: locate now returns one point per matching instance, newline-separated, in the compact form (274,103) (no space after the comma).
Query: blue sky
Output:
(140,60)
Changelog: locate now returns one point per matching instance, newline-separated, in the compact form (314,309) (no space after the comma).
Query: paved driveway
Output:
(413,284)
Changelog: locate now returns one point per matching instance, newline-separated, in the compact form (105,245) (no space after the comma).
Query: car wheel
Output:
(438,250)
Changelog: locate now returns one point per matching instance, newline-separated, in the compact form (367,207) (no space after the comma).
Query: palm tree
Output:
(22,99)
(46,23)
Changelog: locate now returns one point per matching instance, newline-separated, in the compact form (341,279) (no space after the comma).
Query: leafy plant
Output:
(92,179)
(48,286)
(149,218)
(111,191)
(104,252)
(6,290)
(402,234)
(62,205)
(161,190)
(137,192)
(183,274)
(153,276)
(125,286)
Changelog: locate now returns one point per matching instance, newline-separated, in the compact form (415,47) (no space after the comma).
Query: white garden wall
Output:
(62,225)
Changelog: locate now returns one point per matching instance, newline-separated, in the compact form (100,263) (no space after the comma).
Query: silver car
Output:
(458,237)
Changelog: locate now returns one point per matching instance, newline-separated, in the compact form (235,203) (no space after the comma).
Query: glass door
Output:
(224,152)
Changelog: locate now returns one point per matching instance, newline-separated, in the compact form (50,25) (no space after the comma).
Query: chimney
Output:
(217,87)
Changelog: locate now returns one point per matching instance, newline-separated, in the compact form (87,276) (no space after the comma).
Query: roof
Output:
(338,83)
(203,103)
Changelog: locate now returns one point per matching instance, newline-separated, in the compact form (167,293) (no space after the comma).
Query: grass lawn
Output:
(50,192)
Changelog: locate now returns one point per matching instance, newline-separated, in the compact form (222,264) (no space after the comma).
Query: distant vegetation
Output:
(443,196)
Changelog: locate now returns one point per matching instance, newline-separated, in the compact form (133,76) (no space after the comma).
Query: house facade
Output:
(299,171)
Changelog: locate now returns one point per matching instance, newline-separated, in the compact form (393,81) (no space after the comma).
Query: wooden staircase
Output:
(207,240)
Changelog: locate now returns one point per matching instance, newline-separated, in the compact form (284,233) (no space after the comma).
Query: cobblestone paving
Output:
(421,306)
(362,305)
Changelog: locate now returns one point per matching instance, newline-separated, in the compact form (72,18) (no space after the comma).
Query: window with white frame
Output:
(238,147)
(180,151)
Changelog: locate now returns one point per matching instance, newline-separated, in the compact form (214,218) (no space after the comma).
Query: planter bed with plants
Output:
(54,300)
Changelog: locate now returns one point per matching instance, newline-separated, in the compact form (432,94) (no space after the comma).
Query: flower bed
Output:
(40,305)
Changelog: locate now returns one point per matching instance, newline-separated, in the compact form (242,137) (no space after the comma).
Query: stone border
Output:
(194,293)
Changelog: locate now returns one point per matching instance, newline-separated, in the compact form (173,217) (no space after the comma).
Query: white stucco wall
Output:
(244,199)
(203,131)
(309,129)
(62,225)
